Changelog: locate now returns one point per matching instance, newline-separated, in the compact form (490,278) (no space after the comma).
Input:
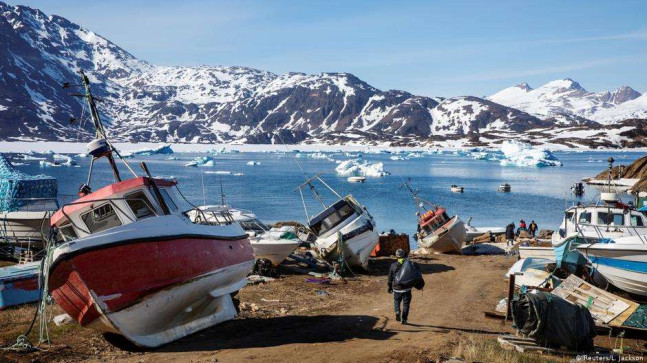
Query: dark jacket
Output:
(533,226)
(393,271)
(509,231)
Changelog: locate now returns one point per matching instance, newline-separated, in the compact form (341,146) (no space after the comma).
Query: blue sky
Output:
(430,48)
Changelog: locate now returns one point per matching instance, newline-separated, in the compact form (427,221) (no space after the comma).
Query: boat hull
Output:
(623,266)
(27,227)
(448,239)
(359,239)
(19,284)
(547,253)
(152,291)
(274,250)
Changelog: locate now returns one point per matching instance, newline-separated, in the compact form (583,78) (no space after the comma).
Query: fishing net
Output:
(17,188)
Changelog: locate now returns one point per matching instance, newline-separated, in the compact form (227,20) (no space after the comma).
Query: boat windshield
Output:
(331,217)
(254,225)
(615,219)
(636,221)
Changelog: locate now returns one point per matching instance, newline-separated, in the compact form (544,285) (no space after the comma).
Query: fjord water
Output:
(268,189)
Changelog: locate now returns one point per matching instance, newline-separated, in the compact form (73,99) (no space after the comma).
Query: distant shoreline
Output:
(80,147)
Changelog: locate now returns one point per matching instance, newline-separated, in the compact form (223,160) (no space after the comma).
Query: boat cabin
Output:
(333,217)
(432,220)
(114,205)
(604,218)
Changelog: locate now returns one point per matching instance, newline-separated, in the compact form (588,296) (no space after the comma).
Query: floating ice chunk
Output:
(223,150)
(397,157)
(220,172)
(361,168)
(518,153)
(162,149)
(238,174)
(173,158)
(253,163)
(191,163)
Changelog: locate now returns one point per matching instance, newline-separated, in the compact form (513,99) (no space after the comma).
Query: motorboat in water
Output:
(505,188)
(356,179)
(26,203)
(456,189)
(344,231)
(621,260)
(130,262)
(578,189)
(438,231)
(273,244)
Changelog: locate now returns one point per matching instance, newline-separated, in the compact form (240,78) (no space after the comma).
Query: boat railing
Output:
(217,218)
(625,230)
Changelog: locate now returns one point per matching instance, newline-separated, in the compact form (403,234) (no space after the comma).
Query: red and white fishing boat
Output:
(129,262)
(437,231)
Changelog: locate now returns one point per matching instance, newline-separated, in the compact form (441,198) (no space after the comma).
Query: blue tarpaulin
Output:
(17,187)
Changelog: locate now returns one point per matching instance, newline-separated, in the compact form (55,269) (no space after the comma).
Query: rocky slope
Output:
(145,102)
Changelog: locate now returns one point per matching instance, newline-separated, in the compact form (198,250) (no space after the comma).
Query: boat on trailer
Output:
(438,231)
(129,262)
(268,243)
(345,231)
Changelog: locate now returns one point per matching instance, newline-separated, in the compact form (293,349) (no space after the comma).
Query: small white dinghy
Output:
(356,179)
(456,189)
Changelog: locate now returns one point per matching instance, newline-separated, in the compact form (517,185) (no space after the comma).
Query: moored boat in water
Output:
(130,262)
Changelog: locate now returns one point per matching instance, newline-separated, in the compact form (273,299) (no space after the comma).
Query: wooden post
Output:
(508,314)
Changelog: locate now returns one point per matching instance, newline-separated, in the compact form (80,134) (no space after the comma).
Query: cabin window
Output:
(332,220)
(254,225)
(101,218)
(636,221)
(67,233)
(569,215)
(616,219)
(140,205)
(169,201)
(585,217)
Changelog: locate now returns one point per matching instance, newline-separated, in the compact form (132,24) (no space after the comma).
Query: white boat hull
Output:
(179,311)
(537,252)
(448,241)
(623,265)
(274,250)
(357,249)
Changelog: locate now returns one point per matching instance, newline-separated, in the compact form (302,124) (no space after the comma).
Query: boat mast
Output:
(100,146)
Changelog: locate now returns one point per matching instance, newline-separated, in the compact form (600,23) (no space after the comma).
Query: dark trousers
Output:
(405,297)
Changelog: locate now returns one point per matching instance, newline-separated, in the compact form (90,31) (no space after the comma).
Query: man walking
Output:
(509,234)
(401,294)
(532,228)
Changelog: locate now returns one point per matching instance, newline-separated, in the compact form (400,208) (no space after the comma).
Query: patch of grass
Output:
(482,349)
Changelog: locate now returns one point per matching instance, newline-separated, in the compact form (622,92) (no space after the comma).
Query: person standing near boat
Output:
(532,228)
(509,234)
(403,275)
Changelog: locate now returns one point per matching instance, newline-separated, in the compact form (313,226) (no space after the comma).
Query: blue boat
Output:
(566,253)
(19,284)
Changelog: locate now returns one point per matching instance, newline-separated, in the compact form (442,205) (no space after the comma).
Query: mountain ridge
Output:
(147,102)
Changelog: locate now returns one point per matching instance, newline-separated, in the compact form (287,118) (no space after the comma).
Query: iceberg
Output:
(163,149)
(516,153)
(397,157)
(358,168)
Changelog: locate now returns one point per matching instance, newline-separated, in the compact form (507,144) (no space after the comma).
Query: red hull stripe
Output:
(123,274)
(171,238)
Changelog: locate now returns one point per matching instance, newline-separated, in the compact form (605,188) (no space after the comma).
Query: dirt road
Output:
(290,320)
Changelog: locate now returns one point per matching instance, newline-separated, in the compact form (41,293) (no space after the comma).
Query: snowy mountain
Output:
(567,102)
(145,102)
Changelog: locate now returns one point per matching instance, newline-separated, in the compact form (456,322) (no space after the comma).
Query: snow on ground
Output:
(361,168)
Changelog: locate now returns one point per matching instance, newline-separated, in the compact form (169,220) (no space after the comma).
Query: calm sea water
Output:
(268,189)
